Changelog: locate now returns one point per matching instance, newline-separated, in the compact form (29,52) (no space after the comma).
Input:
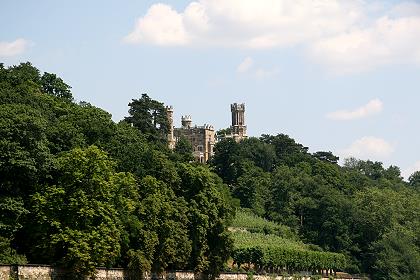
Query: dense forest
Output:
(78,190)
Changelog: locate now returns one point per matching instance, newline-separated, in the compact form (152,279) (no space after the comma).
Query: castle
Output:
(203,138)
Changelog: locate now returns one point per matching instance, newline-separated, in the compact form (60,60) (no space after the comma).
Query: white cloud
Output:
(368,147)
(344,35)
(410,170)
(386,41)
(405,9)
(374,106)
(245,65)
(160,26)
(262,74)
(8,49)
(245,23)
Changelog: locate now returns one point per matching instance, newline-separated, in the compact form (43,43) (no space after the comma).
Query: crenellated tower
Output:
(170,115)
(238,127)
(186,121)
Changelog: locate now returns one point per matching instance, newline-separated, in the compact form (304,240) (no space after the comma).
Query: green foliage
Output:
(55,86)
(326,156)
(244,239)
(8,255)
(162,239)
(270,251)
(396,256)
(340,209)
(252,187)
(24,154)
(245,219)
(414,180)
(224,132)
(150,117)
(76,221)
(68,203)
(226,160)
(145,207)
(209,214)
(183,150)
(12,211)
(263,155)
(288,152)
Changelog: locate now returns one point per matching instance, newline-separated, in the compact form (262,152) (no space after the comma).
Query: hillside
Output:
(78,190)
(270,247)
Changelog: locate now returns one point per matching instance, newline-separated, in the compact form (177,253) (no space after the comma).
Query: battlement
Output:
(186,118)
(207,126)
(202,137)
(237,107)
(186,121)
(238,127)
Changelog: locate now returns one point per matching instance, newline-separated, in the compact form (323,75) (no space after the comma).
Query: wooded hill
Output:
(267,247)
(79,190)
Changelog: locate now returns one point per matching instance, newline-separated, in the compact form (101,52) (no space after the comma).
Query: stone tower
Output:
(171,138)
(238,127)
(186,121)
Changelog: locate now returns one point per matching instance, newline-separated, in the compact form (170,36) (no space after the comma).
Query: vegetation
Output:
(246,220)
(79,190)
(270,247)
(356,210)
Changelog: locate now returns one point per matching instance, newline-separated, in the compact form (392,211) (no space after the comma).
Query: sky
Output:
(340,76)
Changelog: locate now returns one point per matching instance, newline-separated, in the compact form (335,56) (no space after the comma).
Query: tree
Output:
(224,132)
(378,211)
(162,240)
(373,170)
(326,156)
(23,75)
(127,147)
(261,154)
(209,214)
(24,156)
(150,117)
(134,154)
(414,180)
(94,123)
(184,150)
(8,255)
(75,221)
(396,256)
(288,152)
(11,212)
(252,188)
(55,86)
(226,160)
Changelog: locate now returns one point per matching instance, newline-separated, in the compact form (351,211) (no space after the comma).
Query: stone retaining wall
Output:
(43,272)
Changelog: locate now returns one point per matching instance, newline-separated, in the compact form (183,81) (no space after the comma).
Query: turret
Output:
(238,121)
(186,121)
(170,115)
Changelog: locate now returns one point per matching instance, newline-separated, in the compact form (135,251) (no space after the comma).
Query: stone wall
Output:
(43,272)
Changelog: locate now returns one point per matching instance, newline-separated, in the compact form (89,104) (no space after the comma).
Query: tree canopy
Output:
(78,190)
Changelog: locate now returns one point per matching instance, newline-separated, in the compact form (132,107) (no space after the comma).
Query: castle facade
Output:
(203,138)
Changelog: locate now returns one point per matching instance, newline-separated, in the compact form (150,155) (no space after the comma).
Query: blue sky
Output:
(342,76)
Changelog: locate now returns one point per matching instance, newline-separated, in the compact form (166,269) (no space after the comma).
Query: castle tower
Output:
(170,115)
(186,121)
(238,121)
